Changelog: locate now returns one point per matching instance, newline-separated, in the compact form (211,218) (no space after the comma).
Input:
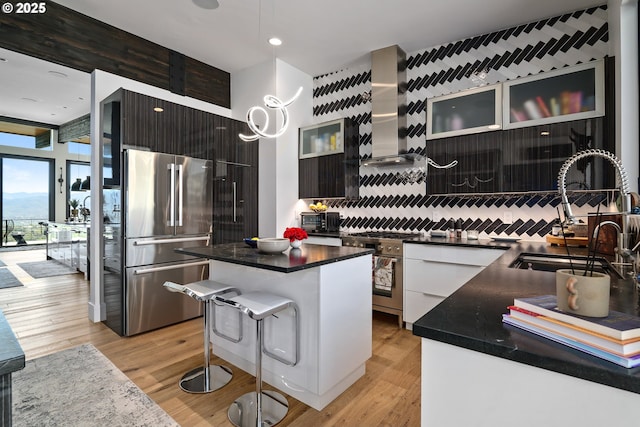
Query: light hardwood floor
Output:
(50,314)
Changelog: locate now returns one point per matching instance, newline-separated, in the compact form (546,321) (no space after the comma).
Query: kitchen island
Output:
(332,288)
(502,375)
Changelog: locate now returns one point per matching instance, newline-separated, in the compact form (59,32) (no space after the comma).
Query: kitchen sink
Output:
(553,262)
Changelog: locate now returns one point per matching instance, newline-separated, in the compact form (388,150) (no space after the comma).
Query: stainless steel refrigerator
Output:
(164,202)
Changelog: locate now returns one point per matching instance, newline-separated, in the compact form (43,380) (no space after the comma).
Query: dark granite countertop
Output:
(472,318)
(308,256)
(473,243)
(11,354)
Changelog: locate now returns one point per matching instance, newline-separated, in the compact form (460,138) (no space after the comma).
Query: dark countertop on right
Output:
(471,318)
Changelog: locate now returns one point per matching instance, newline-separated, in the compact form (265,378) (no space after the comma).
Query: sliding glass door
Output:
(27,199)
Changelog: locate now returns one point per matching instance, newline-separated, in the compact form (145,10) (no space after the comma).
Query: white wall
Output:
(248,87)
(278,174)
(288,80)
(623,30)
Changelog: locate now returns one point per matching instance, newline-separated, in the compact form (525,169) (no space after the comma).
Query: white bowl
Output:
(273,245)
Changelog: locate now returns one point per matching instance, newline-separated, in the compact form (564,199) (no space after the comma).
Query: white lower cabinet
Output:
(433,272)
(323,240)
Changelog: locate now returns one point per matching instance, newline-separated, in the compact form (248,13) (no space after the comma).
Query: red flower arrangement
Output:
(295,233)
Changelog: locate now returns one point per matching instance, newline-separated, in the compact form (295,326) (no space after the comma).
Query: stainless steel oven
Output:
(386,271)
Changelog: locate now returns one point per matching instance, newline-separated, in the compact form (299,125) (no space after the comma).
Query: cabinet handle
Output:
(180,184)
(161,241)
(172,194)
(234,200)
(168,267)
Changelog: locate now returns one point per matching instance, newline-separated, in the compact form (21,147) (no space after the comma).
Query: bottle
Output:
(452,229)
(556,228)
(458,228)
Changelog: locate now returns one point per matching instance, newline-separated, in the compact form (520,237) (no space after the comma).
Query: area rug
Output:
(81,387)
(29,247)
(49,268)
(7,279)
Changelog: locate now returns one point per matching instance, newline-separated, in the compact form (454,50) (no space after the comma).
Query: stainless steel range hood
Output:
(388,102)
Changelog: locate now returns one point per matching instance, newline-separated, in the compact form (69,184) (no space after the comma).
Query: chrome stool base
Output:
(242,412)
(195,381)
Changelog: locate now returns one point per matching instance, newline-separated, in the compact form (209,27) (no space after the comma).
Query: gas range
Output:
(384,242)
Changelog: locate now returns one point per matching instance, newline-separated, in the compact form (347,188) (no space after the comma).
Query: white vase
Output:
(296,243)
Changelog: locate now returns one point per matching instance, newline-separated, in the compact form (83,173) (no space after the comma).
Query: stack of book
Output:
(615,338)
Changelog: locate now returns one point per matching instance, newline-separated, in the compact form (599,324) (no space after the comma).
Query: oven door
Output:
(387,283)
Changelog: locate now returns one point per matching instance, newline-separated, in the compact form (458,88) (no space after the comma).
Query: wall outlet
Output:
(507,217)
(437,216)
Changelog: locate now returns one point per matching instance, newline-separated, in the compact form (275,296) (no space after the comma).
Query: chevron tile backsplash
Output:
(387,203)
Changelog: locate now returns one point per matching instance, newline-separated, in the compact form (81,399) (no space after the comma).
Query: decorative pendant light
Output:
(274,103)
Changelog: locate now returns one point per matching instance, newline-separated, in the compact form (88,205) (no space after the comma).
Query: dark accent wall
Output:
(66,37)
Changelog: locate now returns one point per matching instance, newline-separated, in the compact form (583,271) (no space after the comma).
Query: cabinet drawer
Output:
(437,278)
(417,304)
(452,254)
(328,241)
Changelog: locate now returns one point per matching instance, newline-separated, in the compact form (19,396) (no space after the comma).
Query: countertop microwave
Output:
(320,221)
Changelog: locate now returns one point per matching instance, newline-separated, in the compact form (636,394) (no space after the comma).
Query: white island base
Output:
(334,303)
(461,387)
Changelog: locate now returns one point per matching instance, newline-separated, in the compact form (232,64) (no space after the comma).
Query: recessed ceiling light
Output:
(58,74)
(545,133)
(3,59)
(158,109)
(274,41)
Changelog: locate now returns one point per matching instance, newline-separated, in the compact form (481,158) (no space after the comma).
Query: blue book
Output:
(627,362)
(620,326)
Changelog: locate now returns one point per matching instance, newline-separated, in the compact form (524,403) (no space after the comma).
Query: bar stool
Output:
(206,378)
(261,407)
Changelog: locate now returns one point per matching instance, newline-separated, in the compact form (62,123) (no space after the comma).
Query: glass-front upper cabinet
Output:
(472,111)
(570,93)
(322,139)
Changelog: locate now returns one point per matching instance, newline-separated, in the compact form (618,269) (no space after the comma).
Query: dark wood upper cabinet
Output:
(328,164)
(518,160)
(235,189)
(526,155)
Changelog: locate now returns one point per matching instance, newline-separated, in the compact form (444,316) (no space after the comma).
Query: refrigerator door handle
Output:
(179,191)
(234,200)
(174,240)
(172,194)
(148,270)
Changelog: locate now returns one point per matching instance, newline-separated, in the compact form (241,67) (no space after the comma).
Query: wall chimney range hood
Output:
(388,108)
